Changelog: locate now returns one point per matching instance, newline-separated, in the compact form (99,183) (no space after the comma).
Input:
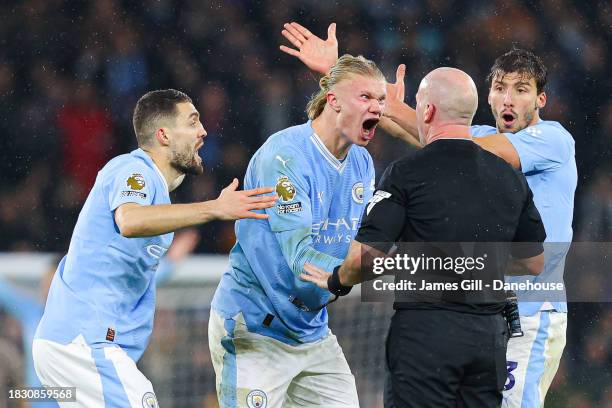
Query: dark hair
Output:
(522,62)
(152,107)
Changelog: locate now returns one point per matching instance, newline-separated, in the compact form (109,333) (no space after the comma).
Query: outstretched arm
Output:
(401,121)
(320,55)
(135,220)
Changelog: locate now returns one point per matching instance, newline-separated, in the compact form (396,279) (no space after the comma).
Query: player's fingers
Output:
(400,73)
(262,200)
(313,270)
(260,206)
(292,38)
(233,185)
(331,31)
(302,30)
(295,31)
(258,191)
(306,277)
(255,216)
(289,51)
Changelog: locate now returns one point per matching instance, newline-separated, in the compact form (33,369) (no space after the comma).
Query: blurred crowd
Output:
(71,72)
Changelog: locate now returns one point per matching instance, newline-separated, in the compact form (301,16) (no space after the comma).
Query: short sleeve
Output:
(530,231)
(541,147)
(482,130)
(132,183)
(284,169)
(384,216)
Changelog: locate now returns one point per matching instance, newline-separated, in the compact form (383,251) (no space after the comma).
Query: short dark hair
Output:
(522,62)
(153,106)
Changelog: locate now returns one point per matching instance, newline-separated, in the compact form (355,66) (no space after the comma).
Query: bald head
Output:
(452,92)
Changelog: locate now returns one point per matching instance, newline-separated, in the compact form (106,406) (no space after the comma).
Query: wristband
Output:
(334,285)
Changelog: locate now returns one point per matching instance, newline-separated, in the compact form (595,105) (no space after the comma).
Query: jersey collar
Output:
(142,154)
(327,155)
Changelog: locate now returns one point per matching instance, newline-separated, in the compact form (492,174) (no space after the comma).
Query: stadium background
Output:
(71,72)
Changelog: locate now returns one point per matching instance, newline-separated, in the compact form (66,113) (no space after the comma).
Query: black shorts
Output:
(442,358)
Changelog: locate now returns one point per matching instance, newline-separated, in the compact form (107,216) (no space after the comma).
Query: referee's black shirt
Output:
(452,190)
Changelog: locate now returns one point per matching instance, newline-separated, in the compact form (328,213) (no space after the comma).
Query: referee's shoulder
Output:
(414,158)
(501,169)
(405,166)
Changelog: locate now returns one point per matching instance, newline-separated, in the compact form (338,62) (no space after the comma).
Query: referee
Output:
(446,353)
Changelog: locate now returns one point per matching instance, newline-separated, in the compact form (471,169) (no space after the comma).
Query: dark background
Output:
(71,72)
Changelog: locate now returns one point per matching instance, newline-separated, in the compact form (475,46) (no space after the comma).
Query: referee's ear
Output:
(430,111)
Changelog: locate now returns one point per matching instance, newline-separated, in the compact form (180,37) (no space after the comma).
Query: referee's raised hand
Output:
(315,275)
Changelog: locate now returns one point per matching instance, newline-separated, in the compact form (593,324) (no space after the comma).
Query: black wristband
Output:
(334,285)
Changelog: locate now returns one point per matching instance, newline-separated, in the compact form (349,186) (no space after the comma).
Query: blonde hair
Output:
(345,66)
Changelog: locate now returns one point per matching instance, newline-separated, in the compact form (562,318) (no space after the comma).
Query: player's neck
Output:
(448,132)
(331,137)
(170,174)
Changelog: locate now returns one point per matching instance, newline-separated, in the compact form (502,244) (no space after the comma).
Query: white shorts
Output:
(255,371)
(533,359)
(104,377)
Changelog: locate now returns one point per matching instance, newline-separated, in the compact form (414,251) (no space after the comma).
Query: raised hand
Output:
(232,204)
(315,275)
(396,91)
(316,54)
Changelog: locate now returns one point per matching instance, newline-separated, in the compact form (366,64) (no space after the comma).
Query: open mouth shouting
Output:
(508,119)
(368,128)
(197,156)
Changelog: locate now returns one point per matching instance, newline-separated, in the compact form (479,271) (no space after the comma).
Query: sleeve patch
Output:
(285,189)
(378,196)
(135,182)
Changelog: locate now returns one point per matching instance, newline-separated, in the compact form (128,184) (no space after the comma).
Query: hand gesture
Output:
(315,275)
(233,204)
(316,54)
(396,91)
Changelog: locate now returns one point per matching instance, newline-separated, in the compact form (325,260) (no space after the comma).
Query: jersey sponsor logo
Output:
(289,208)
(285,189)
(376,198)
(149,400)
(131,193)
(357,192)
(156,251)
(257,399)
(136,181)
(332,232)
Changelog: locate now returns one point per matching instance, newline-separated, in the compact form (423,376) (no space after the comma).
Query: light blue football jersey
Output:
(104,288)
(321,201)
(547,155)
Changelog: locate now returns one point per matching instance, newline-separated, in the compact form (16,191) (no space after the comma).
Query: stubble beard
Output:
(186,163)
